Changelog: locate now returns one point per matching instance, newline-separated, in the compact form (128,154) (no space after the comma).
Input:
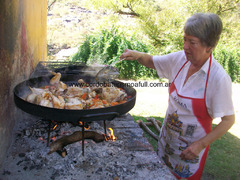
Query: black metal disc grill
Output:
(71,72)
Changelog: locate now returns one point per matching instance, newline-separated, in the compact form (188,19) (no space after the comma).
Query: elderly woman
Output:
(200,91)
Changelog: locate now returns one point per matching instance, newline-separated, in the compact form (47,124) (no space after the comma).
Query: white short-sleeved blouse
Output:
(219,88)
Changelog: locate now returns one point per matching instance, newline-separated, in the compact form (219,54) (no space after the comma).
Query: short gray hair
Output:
(207,27)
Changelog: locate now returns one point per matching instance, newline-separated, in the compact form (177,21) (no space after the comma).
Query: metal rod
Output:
(83,123)
(105,128)
(49,130)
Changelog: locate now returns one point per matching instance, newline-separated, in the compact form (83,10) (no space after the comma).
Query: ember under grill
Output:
(71,72)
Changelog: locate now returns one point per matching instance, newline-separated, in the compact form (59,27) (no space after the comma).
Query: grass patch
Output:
(223,160)
(152,141)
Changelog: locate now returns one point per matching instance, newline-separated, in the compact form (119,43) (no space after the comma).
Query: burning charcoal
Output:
(55,174)
(19,134)
(104,154)
(72,166)
(27,132)
(74,161)
(32,167)
(62,152)
(6,172)
(37,133)
(99,170)
(54,134)
(96,125)
(66,125)
(19,162)
(21,154)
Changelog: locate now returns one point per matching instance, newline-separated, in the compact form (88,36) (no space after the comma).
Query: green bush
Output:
(229,58)
(107,46)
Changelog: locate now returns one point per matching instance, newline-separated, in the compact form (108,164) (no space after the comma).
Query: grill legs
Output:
(49,131)
(83,132)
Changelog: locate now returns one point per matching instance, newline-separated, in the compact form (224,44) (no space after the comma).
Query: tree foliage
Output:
(160,23)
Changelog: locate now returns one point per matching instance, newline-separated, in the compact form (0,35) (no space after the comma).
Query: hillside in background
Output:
(69,22)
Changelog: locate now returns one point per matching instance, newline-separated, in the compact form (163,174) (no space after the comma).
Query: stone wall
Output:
(22,45)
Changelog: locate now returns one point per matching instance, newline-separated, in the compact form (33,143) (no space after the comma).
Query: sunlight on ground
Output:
(236,101)
(152,101)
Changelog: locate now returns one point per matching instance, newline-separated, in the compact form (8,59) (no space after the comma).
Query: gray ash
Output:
(129,157)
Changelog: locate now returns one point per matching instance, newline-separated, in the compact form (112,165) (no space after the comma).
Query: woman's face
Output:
(195,51)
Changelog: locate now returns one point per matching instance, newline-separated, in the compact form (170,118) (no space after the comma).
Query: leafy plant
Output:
(107,46)
(229,58)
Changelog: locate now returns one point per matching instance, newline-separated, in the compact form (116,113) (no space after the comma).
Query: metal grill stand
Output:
(83,132)
(71,72)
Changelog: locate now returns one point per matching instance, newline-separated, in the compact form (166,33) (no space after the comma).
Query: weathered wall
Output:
(22,44)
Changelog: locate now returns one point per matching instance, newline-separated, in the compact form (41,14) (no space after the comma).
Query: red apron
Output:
(187,120)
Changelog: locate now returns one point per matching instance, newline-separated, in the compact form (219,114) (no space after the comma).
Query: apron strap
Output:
(180,70)
(208,76)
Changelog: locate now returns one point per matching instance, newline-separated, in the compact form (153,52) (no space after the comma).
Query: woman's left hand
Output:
(195,148)
(192,151)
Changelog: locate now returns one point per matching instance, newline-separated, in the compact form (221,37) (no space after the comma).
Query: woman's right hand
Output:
(142,58)
(131,55)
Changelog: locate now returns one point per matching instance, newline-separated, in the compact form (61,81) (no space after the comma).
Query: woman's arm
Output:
(195,148)
(143,58)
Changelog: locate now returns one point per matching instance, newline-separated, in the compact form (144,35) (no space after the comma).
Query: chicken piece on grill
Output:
(81,82)
(56,78)
(44,102)
(74,103)
(61,85)
(97,105)
(31,98)
(87,90)
(58,102)
(120,97)
(92,94)
(36,95)
(113,94)
(47,95)
(58,95)
(74,91)
(37,91)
